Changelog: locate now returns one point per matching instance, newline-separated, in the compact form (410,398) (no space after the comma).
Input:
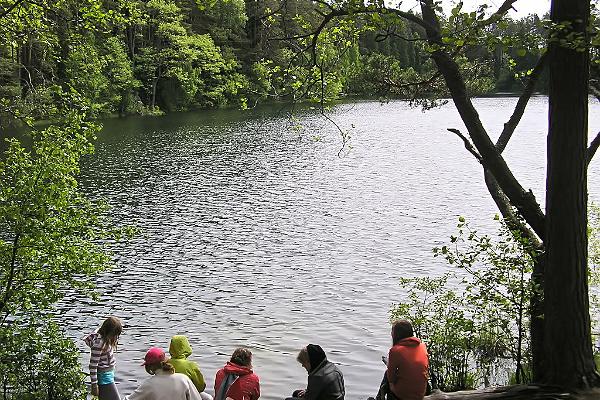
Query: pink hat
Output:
(154,356)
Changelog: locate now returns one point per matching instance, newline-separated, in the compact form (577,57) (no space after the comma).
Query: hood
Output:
(89,339)
(409,342)
(231,368)
(180,347)
(316,356)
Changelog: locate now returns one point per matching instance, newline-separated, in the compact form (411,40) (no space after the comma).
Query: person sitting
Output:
(407,366)
(180,350)
(325,380)
(236,380)
(164,384)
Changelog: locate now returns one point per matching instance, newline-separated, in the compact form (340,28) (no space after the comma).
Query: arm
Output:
(392,368)
(218,379)
(192,393)
(96,351)
(313,389)
(257,389)
(144,391)
(198,379)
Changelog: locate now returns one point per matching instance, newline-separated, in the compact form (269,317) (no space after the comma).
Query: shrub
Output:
(475,322)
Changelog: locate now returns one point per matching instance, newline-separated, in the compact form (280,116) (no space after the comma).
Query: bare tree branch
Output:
(591,151)
(491,158)
(343,12)
(515,118)
(424,82)
(503,9)
(507,211)
(467,142)
(380,37)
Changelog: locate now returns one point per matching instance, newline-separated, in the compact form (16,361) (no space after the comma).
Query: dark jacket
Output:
(325,382)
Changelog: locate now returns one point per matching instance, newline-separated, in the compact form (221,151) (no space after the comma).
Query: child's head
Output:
(110,330)
(401,329)
(180,347)
(156,359)
(242,356)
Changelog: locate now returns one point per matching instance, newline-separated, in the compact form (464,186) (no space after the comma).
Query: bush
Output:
(38,362)
(477,329)
(51,242)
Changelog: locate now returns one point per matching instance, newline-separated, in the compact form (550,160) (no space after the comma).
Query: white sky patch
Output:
(522,7)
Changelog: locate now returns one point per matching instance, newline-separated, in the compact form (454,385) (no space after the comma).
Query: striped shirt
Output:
(102,356)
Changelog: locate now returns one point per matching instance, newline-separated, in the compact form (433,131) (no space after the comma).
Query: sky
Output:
(523,7)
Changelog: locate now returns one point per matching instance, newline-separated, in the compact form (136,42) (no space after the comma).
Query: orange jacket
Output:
(407,369)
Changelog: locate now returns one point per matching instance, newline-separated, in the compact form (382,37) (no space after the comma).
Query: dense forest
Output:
(138,57)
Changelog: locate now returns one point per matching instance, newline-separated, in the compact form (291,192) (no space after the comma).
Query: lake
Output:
(260,229)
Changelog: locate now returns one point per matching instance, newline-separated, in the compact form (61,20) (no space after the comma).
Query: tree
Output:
(52,240)
(566,299)
(561,344)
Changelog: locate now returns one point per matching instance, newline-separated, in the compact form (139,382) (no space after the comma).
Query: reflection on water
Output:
(255,232)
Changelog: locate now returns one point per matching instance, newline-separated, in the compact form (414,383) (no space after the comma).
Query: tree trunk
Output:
(153,101)
(515,392)
(568,360)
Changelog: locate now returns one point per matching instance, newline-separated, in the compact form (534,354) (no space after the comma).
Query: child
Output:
(180,350)
(102,361)
(236,380)
(164,384)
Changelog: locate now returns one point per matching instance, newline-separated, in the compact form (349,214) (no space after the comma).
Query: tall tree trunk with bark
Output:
(568,360)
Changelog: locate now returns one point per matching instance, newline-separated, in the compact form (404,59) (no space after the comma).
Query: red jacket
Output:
(245,387)
(407,369)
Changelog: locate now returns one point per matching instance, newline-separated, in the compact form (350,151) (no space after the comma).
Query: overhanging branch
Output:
(515,118)
(491,158)
(467,142)
(591,151)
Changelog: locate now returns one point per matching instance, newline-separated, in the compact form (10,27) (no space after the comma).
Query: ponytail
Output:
(167,367)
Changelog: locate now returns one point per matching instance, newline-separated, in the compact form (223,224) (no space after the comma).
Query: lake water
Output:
(257,231)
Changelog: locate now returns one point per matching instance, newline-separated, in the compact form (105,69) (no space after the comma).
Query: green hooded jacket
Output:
(180,350)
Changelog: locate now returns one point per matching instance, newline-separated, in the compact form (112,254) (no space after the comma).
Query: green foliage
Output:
(438,316)
(138,56)
(51,233)
(52,240)
(38,362)
(475,319)
(594,272)
(227,19)
(179,69)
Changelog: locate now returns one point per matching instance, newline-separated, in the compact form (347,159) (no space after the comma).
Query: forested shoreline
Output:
(138,57)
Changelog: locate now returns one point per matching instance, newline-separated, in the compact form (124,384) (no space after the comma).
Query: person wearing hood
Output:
(407,366)
(180,350)
(325,380)
(236,380)
(165,383)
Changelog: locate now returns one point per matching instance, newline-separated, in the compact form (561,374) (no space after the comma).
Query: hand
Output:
(95,389)
(301,393)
